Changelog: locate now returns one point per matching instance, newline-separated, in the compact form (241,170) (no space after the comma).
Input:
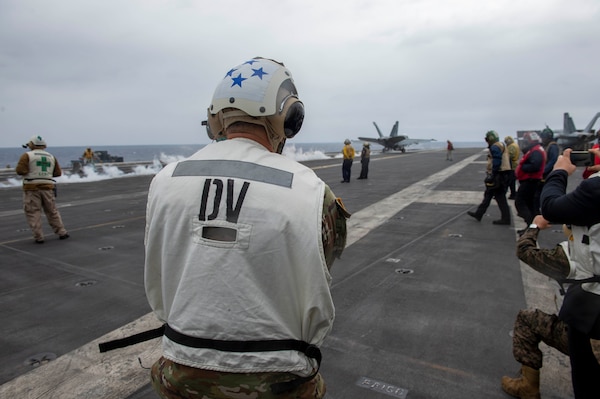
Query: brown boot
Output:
(525,387)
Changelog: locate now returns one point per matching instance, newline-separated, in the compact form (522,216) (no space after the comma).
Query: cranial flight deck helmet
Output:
(547,134)
(492,137)
(531,138)
(259,91)
(36,141)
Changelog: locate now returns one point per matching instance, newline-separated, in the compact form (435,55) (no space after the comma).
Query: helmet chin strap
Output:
(277,139)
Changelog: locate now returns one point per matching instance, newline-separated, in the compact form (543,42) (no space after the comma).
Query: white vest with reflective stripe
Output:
(41,167)
(584,252)
(505,164)
(234,252)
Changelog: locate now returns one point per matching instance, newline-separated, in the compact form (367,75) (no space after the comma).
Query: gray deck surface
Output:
(425,296)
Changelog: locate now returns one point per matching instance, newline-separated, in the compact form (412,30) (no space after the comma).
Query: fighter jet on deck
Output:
(569,136)
(393,141)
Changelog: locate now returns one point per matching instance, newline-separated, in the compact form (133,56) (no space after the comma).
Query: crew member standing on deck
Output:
(239,242)
(529,173)
(348,153)
(88,156)
(514,152)
(365,157)
(449,149)
(496,181)
(38,168)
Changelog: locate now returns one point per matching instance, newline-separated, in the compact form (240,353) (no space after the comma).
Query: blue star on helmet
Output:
(231,71)
(250,62)
(259,72)
(238,80)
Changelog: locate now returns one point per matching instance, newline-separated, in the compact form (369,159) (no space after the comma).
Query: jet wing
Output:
(372,140)
(408,141)
(384,140)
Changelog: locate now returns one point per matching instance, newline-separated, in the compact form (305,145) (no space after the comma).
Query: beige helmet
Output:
(36,141)
(259,91)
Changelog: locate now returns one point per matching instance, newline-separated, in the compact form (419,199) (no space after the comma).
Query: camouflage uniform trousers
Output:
(531,328)
(172,380)
(34,201)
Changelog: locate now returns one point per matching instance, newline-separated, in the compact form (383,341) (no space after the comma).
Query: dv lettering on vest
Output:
(232,212)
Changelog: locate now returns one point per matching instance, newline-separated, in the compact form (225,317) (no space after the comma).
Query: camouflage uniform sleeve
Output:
(333,227)
(550,262)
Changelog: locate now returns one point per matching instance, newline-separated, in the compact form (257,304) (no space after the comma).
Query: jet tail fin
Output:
(394,131)
(378,131)
(568,125)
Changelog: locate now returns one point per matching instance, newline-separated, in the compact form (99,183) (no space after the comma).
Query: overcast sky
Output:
(111,72)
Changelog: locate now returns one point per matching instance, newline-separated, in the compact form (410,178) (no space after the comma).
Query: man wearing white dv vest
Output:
(239,242)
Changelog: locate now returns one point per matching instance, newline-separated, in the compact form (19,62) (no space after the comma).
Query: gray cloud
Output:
(109,72)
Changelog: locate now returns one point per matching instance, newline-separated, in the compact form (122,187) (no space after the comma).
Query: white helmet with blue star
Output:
(264,91)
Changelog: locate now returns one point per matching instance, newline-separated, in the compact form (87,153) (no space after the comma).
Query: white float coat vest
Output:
(261,275)
(584,253)
(505,165)
(41,167)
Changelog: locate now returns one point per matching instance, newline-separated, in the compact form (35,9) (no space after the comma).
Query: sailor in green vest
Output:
(38,168)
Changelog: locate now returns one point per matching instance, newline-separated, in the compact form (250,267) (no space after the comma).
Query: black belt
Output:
(307,349)
(594,279)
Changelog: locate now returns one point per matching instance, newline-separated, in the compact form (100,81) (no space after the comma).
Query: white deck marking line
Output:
(374,215)
(87,373)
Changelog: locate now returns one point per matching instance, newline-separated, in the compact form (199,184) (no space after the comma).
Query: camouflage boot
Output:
(527,386)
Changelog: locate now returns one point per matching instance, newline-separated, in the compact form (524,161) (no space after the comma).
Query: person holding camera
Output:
(595,164)
(496,181)
(533,326)
(581,305)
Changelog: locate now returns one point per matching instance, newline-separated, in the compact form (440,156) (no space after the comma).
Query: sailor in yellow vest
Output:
(348,153)
(38,168)
(239,242)
(514,152)
(88,156)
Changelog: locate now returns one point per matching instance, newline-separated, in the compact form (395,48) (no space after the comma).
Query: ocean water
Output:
(156,155)
(165,153)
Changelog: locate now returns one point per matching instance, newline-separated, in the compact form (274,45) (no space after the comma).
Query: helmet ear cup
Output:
(293,119)
(214,126)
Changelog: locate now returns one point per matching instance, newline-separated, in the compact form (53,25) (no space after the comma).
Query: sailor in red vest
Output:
(529,173)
